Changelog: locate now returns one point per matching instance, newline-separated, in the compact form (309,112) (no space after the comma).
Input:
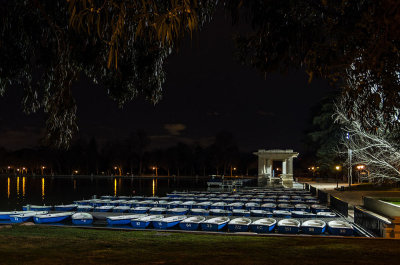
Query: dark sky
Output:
(206,91)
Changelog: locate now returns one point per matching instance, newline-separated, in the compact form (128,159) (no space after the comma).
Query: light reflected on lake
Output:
(115,187)
(43,191)
(18,186)
(23,186)
(8,190)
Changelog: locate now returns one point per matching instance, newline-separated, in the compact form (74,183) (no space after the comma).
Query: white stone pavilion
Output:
(265,163)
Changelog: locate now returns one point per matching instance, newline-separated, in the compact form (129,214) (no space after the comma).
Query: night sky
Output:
(206,91)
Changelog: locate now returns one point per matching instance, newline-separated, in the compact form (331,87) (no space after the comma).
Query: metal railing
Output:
(339,205)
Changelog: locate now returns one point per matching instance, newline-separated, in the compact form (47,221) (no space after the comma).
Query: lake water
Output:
(18,191)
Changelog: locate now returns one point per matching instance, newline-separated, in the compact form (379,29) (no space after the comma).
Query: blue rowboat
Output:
(192,223)
(168,222)
(240,224)
(130,203)
(264,225)
(105,208)
(285,207)
(340,228)
(326,214)
(302,214)
(121,209)
(188,204)
(260,213)
(174,204)
(202,212)
(118,202)
(162,203)
(82,218)
(281,213)
(218,205)
(302,207)
(289,226)
(313,227)
(220,212)
(107,197)
(153,204)
(311,201)
(65,208)
(252,206)
(269,200)
(158,210)
(82,202)
(178,211)
(145,203)
(52,217)
(124,197)
(234,205)
(215,224)
(268,207)
(202,205)
(37,208)
(240,212)
(123,219)
(6,215)
(316,208)
(144,222)
(24,216)
(84,208)
(140,210)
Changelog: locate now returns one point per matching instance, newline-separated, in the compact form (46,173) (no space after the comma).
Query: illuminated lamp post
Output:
(42,168)
(360,168)
(156,169)
(232,169)
(338,168)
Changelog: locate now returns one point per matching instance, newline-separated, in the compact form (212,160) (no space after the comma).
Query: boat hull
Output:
(313,230)
(165,225)
(285,229)
(140,224)
(238,228)
(45,220)
(20,219)
(189,226)
(262,228)
(212,227)
(82,221)
(118,222)
(342,231)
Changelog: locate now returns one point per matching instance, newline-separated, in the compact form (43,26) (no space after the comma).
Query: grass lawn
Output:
(397,202)
(58,245)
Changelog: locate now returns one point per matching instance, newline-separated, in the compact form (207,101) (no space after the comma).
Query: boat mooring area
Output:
(257,211)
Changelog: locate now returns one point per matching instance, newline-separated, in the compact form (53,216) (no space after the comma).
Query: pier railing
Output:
(339,205)
(322,196)
(313,190)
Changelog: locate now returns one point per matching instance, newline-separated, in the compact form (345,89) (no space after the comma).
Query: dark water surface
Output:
(18,191)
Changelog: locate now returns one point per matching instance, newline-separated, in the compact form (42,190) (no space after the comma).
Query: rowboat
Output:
(241,212)
(192,223)
(282,213)
(24,216)
(140,210)
(104,208)
(264,225)
(268,207)
(291,226)
(121,209)
(220,212)
(302,214)
(174,204)
(65,208)
(145,221)
(234,205)
(313,227)
(252,206)
(188,204)
(260,213)
(202,205)
(6,215)
(123,219)
(240,224)
(285,207)
(82,218)
(340,228)
(302,207)
(168,222)
(326,214)
(215,224)
(157,210)
(37,207)
(178,211)
(218,205)
(202,212)
(52,217)
(145,203)
(82,202)
(163,203)
(84,208)
(316,208)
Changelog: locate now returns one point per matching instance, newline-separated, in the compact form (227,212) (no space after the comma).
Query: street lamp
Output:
(232,168)
(119,170)
(42,169)
(156,169)
(338,168)
(360,168)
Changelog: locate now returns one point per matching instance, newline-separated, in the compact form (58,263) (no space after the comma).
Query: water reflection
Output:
(23,186)
(8,190)
(17,186)
(115,187)
(154,187)
(74,184)
(43,193)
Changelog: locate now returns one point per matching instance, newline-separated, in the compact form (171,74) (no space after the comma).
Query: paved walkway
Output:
(352,197)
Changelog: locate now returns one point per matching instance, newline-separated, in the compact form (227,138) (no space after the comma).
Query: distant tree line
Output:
(132,156)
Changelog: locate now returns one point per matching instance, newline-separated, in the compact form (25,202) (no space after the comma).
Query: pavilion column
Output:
(269,168)
(290,166)
(284,167)
(261,166)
